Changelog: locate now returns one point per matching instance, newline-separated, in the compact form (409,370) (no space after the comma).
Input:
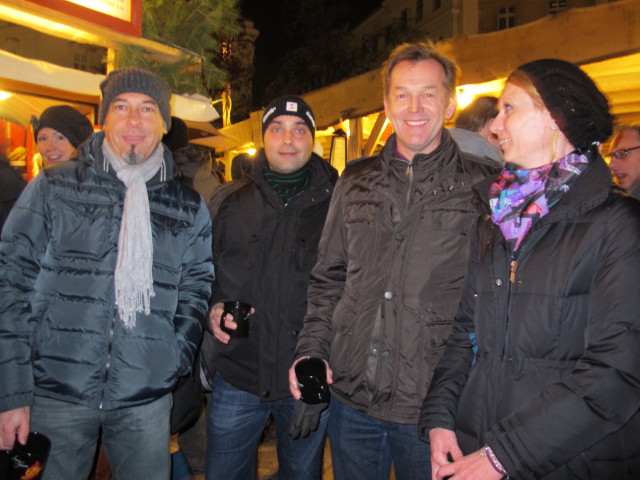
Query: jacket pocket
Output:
(81,229)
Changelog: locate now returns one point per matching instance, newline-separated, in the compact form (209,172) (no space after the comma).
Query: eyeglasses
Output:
(622,153)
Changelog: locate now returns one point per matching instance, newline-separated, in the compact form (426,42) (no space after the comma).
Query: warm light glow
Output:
(4,95)
(467,93)
(120,9)
(46,26)
(252,151)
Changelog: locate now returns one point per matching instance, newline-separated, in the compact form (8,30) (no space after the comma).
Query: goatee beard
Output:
(132,157)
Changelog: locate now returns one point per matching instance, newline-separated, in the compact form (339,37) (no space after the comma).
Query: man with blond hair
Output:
(390,266)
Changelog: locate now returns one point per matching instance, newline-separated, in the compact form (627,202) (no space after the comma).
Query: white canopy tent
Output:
(47,77)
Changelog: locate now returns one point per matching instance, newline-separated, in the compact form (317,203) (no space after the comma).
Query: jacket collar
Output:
(91,155)
(323,177)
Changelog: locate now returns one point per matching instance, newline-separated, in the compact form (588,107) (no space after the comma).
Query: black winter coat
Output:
(264,251)
(390,267)
(554,388)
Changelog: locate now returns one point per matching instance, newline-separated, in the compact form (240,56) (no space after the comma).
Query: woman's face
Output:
(53,146)
(526,132)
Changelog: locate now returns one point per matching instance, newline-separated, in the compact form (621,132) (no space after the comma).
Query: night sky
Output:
(270,17)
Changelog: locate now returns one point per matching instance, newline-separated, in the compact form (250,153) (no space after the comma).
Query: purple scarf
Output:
(519,198)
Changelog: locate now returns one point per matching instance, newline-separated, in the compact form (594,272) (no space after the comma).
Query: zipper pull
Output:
(512,271)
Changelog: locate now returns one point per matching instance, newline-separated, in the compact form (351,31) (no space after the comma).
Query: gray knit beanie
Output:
(136,80)
(65,120)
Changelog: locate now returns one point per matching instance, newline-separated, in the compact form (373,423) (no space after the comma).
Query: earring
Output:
(554,127)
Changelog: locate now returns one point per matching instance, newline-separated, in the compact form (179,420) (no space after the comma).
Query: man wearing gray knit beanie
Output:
(105,283)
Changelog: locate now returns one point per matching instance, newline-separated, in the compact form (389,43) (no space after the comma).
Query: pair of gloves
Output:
(306,417)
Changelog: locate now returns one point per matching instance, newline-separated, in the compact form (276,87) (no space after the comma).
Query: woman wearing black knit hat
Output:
(58,132)
(540,378)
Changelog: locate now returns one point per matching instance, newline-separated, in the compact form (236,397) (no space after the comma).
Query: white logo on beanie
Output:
(268,114)
(313,122)
(291,107)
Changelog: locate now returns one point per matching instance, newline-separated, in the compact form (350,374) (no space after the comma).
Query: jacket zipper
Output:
(107,367)
(512,270)
(409,175)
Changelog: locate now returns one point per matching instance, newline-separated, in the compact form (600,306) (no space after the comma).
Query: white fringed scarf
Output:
(134,268)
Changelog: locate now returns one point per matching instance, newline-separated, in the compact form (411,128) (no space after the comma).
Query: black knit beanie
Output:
(66,120)
(289,105)
(136,80)
(177,136)
(580,110)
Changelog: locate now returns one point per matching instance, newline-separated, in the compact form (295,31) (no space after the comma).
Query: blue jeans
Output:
(363,448)
(135,439)
(236,422)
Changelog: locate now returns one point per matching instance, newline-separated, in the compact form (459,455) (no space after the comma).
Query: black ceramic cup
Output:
(312,380)
(241,313)
(27,461)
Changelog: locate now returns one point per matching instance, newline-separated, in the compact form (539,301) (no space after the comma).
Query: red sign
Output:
(121,15)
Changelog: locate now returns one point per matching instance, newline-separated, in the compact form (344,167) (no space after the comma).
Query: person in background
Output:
(265,237)
(105,276)
(540,378)
(58,132)
(194,161)
(196,170)
(624,155)
(472,132)
(390,266)
(11,185)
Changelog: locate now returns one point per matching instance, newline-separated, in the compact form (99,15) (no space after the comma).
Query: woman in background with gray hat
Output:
(540,378)
(58,132)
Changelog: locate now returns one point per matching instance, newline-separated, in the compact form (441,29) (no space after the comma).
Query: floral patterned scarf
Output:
(519,198)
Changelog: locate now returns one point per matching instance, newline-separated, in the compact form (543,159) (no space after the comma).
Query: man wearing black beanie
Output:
(267,228)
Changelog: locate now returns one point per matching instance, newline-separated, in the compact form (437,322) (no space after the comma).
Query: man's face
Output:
(287,144)
(133,126)
(417,105)
(626,170)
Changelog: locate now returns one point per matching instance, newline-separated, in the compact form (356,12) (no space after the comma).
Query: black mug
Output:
(241,312)
(312,380)
(28,460)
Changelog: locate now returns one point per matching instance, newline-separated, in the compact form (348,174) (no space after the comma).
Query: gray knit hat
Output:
(66,120)
(136,80)
(289,105)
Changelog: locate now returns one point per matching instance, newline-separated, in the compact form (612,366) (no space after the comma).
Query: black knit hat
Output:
(289,105)
(66,120)
(136,80)
(177,136)
(580,110)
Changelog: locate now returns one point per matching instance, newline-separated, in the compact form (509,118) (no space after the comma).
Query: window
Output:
(80,61)
(506,17)
(419,10)
(557,6)
(404,18)
(388,35)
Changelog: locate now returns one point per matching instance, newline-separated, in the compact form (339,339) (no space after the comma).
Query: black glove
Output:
(306,417)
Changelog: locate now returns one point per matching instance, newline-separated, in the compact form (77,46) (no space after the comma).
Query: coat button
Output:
(385,354)
(388,295)
(498,282)
(266,394)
